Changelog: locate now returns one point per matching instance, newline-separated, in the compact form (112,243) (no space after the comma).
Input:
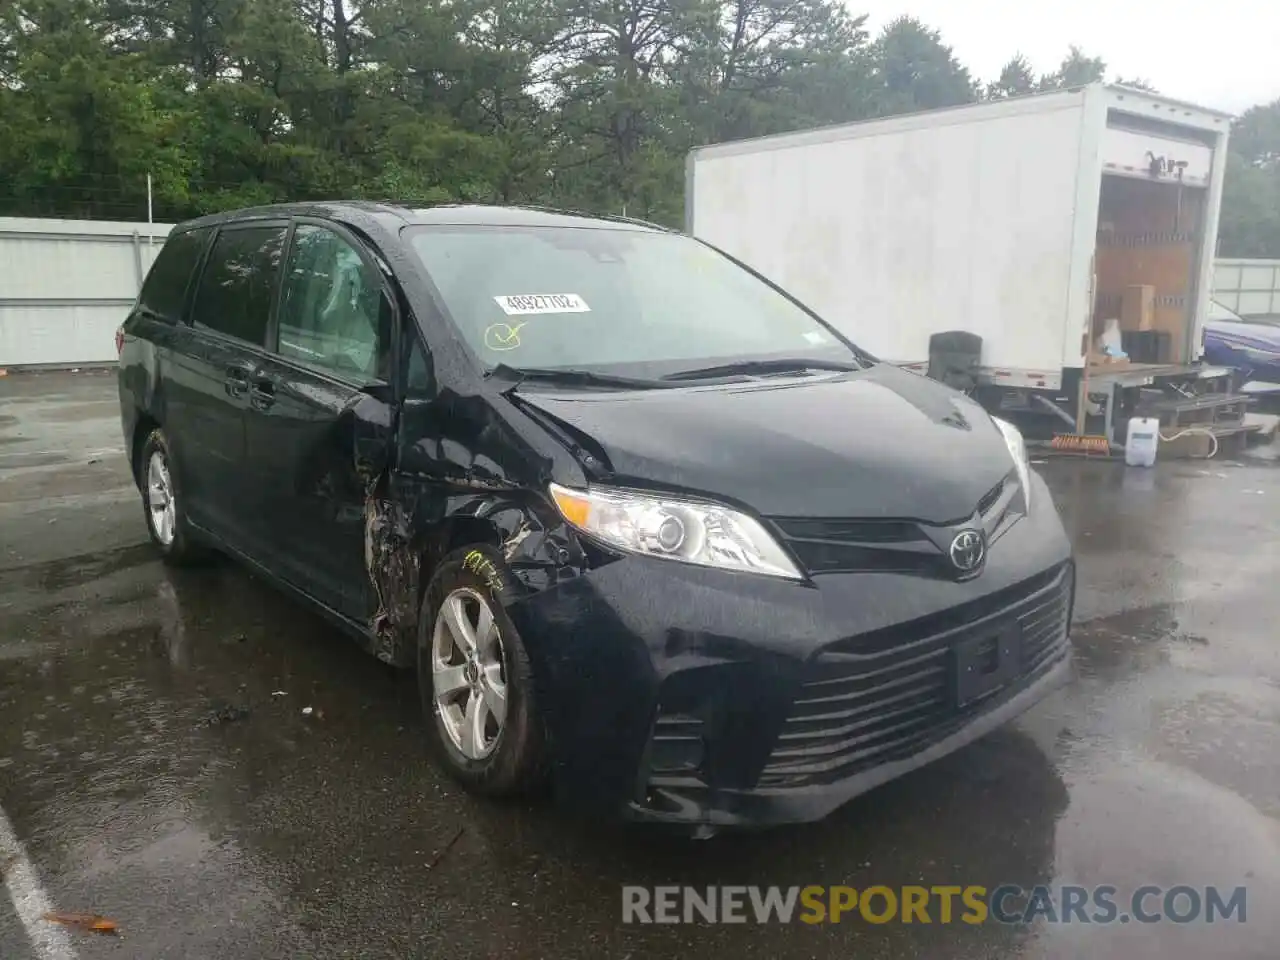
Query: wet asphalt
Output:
(157,767)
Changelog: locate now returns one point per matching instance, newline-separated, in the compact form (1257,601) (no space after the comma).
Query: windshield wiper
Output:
(569,377)
(750,367)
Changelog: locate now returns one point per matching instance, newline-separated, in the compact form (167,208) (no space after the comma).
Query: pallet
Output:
(1220,410)
(1262,427)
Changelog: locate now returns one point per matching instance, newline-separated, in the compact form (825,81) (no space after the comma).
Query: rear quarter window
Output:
(165,290)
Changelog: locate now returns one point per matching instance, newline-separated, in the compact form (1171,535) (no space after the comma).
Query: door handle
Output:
(262,394)
(236,383)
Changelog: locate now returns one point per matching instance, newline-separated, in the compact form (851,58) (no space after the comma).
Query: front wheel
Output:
(475,678)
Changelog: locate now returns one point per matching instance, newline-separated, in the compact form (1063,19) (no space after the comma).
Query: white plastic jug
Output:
(1142,441)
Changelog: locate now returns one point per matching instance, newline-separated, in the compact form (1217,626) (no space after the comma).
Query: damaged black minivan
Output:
(646,527)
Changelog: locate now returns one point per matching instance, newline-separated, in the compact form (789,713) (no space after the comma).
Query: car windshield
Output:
(593,299)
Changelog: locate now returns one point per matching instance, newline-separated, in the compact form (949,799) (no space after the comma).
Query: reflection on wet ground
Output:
(156,762)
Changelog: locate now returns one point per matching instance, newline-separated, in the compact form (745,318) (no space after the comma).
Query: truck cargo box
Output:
(1026,222)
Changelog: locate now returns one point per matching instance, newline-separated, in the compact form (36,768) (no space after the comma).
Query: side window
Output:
(333,312)
(165,290)
(235,290)
(418,380)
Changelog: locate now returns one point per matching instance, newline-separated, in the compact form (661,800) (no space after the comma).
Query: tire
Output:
(166,521)
(490,758)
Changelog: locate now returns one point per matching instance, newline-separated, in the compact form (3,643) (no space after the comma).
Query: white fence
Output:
(65,285)
(1249,287)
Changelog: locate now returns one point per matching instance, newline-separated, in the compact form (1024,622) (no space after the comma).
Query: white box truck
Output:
(1028,223)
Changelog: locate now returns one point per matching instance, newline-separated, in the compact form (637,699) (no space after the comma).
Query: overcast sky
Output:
(1223,53)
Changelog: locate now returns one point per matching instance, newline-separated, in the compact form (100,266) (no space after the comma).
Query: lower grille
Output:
(676,745)
(890,700)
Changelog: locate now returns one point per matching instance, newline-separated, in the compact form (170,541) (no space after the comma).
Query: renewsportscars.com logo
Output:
(972,904)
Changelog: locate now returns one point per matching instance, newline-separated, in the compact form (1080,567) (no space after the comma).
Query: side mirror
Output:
(378,391)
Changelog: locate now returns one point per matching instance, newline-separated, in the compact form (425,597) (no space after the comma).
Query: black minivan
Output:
(647,528)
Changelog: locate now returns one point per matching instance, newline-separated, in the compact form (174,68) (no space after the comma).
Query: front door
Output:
(320,401)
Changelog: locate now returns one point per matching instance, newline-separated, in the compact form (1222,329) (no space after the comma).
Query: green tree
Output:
(592,104)
(1250,219)
(1016,80)
(763,66)
(1256,135)
(192,34)
(915,70)
(1076,70)
(618,124)
(467,76)
(84,125)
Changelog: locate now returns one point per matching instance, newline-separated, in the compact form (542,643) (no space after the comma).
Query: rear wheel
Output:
(162,504)
(475,679)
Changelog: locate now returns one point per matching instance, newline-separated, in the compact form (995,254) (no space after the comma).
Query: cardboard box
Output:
(1102,361)
(1138,307)
(1173,321)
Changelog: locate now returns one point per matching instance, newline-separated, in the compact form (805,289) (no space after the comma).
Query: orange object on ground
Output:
(89,922)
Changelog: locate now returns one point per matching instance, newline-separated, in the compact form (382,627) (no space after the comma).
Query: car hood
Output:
(878,443)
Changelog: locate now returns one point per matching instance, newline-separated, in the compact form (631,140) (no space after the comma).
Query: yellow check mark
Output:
(503,336)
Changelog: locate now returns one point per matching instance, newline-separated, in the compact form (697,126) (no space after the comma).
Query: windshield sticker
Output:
(529,304)
(503,336)
(817,337)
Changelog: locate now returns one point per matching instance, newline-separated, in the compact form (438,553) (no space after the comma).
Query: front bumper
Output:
(684,695)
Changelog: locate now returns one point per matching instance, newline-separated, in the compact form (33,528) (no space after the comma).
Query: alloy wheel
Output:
(467,674)
(162,509)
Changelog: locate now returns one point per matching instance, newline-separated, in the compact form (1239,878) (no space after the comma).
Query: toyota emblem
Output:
(968,550)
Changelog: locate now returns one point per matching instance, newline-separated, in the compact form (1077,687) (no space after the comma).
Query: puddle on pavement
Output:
(126,757)
(155,769)
(20,461)
(72,412)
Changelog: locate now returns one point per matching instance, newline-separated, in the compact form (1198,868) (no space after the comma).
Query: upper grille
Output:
(887,695)
(990,498)
(889,546)
(832,555)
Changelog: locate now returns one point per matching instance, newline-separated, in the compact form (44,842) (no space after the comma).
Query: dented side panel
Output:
(424,521)
(313,453)
(440,462)
(394,574)
(464,475)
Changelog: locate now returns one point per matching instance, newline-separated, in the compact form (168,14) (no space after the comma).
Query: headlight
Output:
(1018,451)
(675,529)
